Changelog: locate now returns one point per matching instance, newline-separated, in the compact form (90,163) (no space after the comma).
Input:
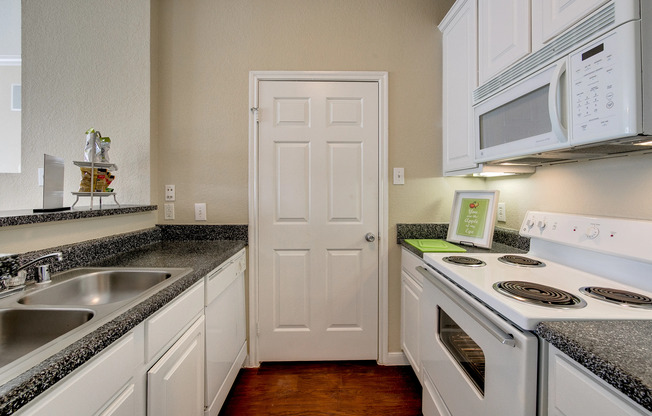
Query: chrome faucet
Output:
(43,271)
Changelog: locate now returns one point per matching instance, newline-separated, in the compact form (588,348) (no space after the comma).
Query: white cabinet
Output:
(226,346)
(551,17)
(103,386)
(163,353)
(124,404)
(459,34)
(503,35)
(175,385)
(411,288)
(574,390)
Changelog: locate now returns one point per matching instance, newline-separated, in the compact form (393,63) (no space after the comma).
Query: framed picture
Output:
(473,217)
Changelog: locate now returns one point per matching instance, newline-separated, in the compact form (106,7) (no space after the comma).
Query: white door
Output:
(318,199)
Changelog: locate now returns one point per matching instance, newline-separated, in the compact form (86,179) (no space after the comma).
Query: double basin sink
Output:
(73,300)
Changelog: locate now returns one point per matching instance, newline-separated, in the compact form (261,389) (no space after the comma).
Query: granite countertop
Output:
(201,256)
(619,352)
(504,241)
(24,217)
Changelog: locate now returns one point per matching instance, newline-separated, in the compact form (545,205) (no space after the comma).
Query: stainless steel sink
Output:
(24,330)
(97,288)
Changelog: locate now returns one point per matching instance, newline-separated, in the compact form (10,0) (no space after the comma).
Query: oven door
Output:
(479,364)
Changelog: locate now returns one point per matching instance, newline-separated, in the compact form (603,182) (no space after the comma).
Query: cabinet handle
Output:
(481,320)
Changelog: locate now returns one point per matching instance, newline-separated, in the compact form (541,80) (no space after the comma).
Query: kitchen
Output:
(181,116)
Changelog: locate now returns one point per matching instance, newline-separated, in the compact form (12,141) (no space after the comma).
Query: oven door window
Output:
(464,350)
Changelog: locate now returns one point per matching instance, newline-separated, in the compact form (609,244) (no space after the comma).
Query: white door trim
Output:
(381,78)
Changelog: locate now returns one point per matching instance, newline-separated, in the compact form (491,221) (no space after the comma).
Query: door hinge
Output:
(255,111)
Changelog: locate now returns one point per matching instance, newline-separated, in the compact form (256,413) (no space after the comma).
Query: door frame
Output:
(255,77)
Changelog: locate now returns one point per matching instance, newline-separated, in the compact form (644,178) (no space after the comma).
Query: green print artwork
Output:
(473,217)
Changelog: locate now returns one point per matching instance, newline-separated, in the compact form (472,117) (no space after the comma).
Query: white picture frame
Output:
(473,217)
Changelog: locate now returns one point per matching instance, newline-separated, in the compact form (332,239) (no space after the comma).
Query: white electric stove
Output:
(478,310)
(568,254)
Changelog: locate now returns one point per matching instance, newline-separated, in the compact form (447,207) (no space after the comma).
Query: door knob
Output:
(370,237)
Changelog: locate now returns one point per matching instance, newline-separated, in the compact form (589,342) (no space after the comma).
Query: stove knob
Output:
(592,232)
(542,224)
(529,223)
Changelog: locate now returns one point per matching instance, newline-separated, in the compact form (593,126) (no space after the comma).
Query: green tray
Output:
(435,246)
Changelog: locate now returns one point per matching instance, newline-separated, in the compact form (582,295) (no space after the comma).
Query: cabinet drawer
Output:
(88,389)
(222,277)
(409,263)
(166,325)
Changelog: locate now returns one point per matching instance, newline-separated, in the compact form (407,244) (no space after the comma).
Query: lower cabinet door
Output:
(124,404)
(175,384)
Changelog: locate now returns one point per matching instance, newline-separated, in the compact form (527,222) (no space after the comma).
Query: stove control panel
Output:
(617,236)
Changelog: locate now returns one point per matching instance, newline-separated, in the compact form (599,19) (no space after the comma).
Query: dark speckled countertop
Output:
(619,352)
(201,256)
(504,241)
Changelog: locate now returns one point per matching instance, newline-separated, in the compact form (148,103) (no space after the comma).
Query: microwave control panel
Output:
(602,82)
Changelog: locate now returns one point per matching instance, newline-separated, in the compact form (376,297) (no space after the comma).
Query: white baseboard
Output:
(395,358)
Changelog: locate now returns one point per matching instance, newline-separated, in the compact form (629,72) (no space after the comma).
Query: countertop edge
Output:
(17,392)
(595,362)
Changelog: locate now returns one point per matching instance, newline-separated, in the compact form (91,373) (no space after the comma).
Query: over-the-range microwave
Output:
(591,99)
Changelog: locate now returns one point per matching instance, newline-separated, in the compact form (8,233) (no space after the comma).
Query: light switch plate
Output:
(501,215)
(399,176)
(169,211)
(200,212)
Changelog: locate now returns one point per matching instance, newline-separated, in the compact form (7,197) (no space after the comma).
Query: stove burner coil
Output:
(538,294)
(522,261)
(618,296)
(464,261)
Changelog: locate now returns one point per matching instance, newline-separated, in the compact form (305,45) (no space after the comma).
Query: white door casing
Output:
(318,197)
(316,284)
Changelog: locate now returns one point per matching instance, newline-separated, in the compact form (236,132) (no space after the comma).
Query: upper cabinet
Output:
(509,30)
(503,35)
(459,79)
(551,17)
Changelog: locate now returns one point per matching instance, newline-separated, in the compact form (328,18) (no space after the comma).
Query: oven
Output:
(478,362)
(479,311)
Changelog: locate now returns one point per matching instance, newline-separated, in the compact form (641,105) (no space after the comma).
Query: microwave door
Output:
(526,118)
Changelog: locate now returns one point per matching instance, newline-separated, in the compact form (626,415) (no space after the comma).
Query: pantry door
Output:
(318,220)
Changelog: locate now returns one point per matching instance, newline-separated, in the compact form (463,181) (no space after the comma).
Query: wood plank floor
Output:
(324,388)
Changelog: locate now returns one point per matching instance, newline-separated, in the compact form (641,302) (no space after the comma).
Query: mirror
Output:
(85,64)
(10,86)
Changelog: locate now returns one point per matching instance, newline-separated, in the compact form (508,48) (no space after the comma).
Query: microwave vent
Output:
(561,44)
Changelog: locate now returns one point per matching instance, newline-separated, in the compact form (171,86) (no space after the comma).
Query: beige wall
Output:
(207,49)
(202,52)
(85,64)
(618,187)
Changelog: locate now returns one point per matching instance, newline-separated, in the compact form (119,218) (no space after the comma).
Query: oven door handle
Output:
(492,328)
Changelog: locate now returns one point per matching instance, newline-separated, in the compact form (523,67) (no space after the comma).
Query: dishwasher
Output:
(226,344)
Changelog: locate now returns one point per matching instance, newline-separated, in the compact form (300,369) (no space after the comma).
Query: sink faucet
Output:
(43,271)
(9,266)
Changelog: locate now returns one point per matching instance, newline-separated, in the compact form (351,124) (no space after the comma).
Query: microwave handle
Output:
(553,98)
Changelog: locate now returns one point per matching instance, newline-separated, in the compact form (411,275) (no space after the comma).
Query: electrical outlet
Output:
(501,216)
(169,211)
(399,176)
(169,193)
(200,212)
